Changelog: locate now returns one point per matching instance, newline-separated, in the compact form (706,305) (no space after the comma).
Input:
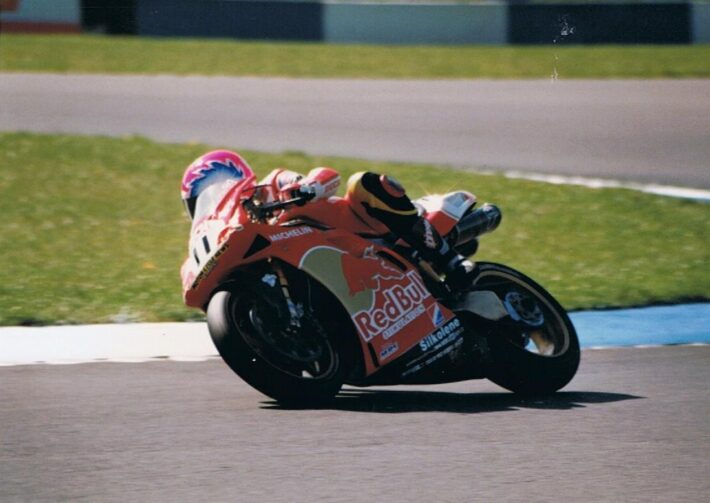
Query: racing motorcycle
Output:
(303,298)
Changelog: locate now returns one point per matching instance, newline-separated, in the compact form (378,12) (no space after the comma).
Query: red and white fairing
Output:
(444,211)
(385,296)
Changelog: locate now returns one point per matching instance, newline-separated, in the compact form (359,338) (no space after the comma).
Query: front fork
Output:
(293,311)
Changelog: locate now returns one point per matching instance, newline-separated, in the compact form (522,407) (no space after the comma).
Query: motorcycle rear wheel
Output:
(310,371)
(537,353)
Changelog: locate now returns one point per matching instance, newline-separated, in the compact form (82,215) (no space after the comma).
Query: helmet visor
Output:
(190,207)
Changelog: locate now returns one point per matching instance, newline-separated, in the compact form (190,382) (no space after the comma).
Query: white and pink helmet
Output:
(209,169)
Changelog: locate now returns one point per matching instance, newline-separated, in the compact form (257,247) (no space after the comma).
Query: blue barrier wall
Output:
(701,23)
(109,16)
(415,23)
(246,19)
(662,22)
(600,24)
(492,22)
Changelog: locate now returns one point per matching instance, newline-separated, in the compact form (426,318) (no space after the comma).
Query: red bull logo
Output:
(395,307)
(364,273)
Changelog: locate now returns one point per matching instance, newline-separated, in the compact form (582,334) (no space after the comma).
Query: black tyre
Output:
(296,366)
(534,350)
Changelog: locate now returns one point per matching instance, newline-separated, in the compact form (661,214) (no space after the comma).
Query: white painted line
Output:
(132,342)
(600,183)
(646,346)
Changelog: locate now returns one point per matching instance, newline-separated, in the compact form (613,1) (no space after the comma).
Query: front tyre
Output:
(535,349)
(294,366)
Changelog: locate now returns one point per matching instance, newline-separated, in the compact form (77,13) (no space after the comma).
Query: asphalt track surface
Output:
(632,426)
(652,131)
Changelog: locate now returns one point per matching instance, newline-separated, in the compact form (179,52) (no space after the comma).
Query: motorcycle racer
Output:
(373,198)
(304,291)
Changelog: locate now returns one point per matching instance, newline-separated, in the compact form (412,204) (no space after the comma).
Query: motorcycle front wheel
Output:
(294,365)
(535,349)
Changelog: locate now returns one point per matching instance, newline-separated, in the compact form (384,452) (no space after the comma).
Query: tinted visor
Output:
(190,207)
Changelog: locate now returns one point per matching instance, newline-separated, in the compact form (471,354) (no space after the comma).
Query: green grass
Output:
(93,229)
(102,54)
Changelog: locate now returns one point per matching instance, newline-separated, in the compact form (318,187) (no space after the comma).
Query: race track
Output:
(645,131)
(632,426)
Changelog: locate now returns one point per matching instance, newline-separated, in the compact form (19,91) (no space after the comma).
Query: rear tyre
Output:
(304,366)
(534,350)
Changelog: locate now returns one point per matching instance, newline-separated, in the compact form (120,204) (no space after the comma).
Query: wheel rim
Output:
(535,324)
(305,352)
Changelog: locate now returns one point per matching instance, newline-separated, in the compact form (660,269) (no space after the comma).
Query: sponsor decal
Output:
(388,351)
(438,355)
(429,239)
(209,265)
(293,233)
(364,273)
(445,334)
(436,345)
(437,317)
(402,303)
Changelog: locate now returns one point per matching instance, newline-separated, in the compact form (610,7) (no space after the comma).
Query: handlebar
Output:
(263,211)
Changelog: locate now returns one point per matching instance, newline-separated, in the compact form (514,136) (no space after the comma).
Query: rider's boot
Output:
(429,243)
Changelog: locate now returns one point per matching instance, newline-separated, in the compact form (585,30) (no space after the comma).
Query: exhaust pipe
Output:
(485,219)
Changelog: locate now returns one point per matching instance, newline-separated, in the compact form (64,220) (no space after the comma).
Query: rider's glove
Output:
(297,191)
(459,274)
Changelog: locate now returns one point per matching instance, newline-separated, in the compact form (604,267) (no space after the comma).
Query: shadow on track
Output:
(391,401)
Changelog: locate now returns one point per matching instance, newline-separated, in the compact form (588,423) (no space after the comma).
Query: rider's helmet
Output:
(218,167)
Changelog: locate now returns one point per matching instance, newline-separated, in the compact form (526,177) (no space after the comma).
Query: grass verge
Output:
(93,231)
(103,54)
